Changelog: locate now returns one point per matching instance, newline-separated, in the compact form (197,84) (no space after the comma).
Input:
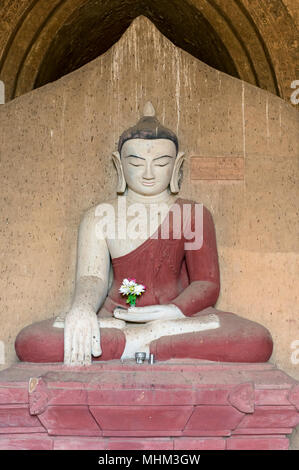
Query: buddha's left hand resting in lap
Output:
(166,243)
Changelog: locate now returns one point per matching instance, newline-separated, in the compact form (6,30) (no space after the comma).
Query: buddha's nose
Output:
(148,173)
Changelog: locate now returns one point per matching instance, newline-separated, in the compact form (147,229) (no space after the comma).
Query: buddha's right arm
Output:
(81,329)
(93,263)
(90,291)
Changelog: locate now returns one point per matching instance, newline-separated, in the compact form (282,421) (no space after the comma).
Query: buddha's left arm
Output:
(203,270)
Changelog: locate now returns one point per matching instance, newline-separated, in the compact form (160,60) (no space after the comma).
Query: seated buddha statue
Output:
(168,245)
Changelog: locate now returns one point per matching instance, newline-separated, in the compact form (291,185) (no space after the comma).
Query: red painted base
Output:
(181,404)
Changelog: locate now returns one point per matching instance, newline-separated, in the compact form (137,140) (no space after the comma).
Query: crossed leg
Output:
(235,339)
(140,336)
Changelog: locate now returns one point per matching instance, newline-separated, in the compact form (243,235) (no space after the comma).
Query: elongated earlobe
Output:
(174,182)
(121,182)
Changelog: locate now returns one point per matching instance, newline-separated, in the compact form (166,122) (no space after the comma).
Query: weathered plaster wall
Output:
(55,149)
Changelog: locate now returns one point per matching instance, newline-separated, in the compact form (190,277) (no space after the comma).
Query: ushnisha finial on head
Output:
(148,127)
(149,110)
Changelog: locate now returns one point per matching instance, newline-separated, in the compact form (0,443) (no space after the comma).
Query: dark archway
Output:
(96,26)
(45,40)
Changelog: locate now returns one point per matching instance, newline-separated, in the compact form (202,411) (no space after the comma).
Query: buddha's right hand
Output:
(81,336)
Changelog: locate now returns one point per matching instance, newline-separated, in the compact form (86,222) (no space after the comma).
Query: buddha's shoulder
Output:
(106,204)
(98,210)
(193,204)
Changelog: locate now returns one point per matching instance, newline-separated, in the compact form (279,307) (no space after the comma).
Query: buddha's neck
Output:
(164,197)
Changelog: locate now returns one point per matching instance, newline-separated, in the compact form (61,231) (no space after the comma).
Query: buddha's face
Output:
(148,164)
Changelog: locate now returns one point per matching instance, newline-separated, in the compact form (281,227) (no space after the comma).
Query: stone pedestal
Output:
(181,404)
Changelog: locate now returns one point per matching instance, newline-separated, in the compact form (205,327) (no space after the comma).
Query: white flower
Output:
(126,287)
(139,288)
(130,286)
(124,290)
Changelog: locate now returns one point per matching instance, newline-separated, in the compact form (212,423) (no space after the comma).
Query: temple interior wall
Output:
(55,150)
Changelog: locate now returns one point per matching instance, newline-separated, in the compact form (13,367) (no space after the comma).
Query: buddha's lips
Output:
(148,183)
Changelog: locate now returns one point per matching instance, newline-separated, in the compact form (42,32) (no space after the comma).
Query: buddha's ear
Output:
(121,182)
(174,182)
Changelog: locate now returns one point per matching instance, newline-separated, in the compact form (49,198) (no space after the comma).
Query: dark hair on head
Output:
(148,127)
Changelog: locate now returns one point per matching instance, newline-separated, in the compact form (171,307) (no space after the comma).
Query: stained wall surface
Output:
(56,145)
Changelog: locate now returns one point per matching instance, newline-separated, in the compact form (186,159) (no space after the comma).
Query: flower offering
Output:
(132,290)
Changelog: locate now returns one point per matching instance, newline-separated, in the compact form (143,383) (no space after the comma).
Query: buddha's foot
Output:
(139,339)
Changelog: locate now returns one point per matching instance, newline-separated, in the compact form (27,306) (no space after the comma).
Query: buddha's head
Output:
(148,160)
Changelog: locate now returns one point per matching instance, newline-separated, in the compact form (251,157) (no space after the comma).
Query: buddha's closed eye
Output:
(136,164)
(156,164)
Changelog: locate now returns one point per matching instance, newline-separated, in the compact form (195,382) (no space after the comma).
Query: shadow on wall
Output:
(51,39)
